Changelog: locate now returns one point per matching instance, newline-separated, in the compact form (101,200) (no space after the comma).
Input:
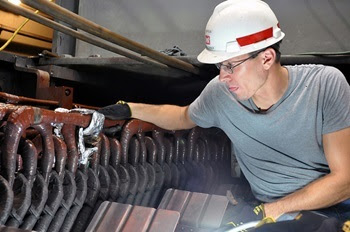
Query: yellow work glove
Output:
(248,215)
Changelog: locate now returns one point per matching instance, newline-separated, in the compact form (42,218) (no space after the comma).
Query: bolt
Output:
(67,92)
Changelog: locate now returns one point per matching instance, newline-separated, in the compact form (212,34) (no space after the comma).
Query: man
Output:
(290,125)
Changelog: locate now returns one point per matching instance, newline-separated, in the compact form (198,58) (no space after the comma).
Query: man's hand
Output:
(273,210)
(250,214)
(118,111)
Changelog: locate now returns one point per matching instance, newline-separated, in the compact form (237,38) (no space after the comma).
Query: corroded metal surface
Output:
(113,216)
(45,186)
(197,210)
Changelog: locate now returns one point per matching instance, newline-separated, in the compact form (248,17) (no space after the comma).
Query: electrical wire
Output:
(16,31)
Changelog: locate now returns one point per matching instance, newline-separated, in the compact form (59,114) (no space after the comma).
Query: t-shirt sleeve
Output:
(336,105)
(202,109)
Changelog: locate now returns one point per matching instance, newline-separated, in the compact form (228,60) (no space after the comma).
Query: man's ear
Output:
(269,57)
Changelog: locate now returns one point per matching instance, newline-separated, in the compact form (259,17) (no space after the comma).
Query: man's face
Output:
(246,78)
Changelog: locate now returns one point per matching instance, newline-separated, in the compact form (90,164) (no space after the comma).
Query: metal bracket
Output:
(62,94)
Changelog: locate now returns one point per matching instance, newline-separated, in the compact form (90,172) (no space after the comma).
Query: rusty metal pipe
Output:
(134,178)
(48,116)
(95,158)
(39,197)
(134,160)
(19,163)
(151,150)
(21,202)
(81,194)
(143,149)
(151,172)
(30,159)
(48,156)
(113,186)
(180,146)
(25,117)
(81,23)
(124,177)
(134,152)
(169,159)
(60,155)
(169,147)
(69,190)
(105,151)
(105,161)
(17,122)
(103,192)
(83,215)
(52,204)
(77,119)
(191,167)
(158,137)
(210,175)
(68,132)
(130,129)
(165,170)
(87,38)
(179,157)
(191,141)
(6,200)
(14,99)
(116,151)
(6,110)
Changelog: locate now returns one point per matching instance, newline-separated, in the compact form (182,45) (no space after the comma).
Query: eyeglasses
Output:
(229,67)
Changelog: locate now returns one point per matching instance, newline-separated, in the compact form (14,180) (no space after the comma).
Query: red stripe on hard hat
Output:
(256,37)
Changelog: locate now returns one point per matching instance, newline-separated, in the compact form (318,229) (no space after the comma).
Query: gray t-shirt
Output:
(280,150)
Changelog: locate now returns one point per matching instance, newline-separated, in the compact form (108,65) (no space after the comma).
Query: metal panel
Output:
(12,229)
(113,216)
(164,220)
(215,211)
(198,210)
(110,216)
(140,219)
(162,24)
(62,43)
(195,209)
(177,202)
(157,24)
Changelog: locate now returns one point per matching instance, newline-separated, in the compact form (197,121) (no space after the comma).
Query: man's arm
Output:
(326,191)
(169,117)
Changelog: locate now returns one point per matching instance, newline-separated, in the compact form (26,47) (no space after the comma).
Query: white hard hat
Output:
(239,27)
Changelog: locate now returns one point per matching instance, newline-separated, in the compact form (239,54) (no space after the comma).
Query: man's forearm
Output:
(169,117)
(322,193)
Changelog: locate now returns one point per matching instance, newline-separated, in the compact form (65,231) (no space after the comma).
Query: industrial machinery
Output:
(64,168)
